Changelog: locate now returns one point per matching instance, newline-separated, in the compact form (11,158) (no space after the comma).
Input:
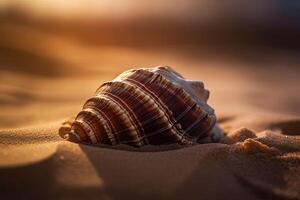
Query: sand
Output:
(256,97)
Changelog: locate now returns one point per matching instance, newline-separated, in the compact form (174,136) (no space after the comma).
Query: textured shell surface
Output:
(146,106)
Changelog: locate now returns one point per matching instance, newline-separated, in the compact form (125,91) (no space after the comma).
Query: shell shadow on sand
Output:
(50,172)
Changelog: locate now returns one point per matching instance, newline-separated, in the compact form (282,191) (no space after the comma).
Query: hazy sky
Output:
(191,9)
(258,11)
(110,8)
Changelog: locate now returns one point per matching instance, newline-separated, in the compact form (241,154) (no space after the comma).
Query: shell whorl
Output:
(142,107)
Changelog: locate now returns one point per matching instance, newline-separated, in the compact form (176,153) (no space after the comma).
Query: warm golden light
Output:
(243,56)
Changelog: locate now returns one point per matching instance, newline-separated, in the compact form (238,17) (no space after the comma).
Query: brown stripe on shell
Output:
(174,134)
(100,127)
(153,126)
(121,93)
(179,103)
(110,117)
(120,121)
(78,130)
(164,91)
(96,104)
(85,126)
(92,125)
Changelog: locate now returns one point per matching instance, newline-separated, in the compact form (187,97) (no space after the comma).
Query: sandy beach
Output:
(255,95)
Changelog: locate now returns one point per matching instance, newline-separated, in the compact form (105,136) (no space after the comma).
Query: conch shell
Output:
(144,106)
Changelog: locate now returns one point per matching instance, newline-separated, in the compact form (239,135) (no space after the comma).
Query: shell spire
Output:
(145,106)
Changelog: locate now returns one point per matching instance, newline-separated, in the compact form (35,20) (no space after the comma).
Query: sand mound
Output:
(264,165)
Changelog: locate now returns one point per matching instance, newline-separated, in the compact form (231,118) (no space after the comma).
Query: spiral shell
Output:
(143,107)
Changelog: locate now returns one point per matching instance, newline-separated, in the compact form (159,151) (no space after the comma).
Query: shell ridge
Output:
(131,116)
(153,96)
(161,104)
(100,97)
(102,85)
(105,124)
(91,128)
(140,105)
(110,123)
(75,134)
(158,106)
(81,136)
(204,106)
(181,90)
(124,112)
(123,130)
(205,110)
(88,132)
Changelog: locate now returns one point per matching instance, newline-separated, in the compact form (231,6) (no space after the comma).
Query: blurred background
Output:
(54,54)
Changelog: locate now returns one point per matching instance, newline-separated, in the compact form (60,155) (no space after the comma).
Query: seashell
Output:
(144,106)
